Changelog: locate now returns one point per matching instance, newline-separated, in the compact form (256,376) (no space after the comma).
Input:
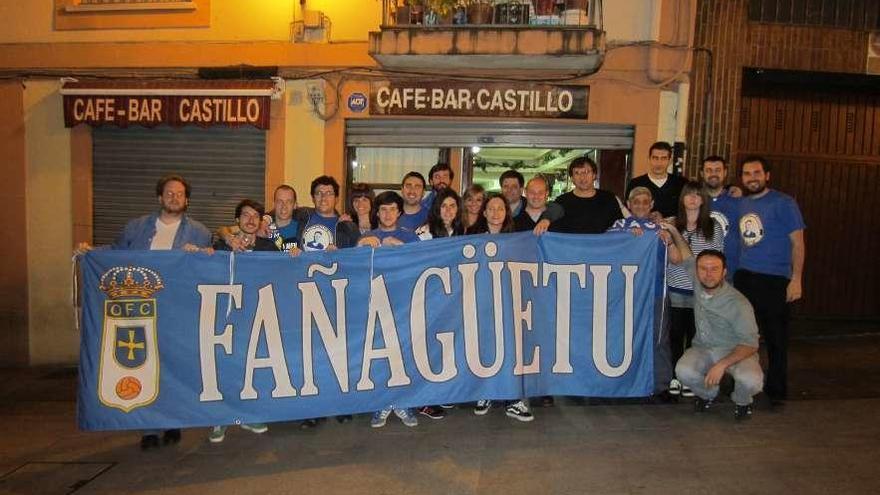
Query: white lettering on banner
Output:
(471,325)
(600,320)
(563,309)
(335,341)
(208,338)
(419,330)
(266,319)
(523,315)
(570,279)
(380,309)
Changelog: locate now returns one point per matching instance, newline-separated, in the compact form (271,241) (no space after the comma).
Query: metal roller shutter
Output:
(222,164)
(455,133)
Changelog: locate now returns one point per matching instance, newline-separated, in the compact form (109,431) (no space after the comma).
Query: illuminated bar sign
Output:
(477,99)
(175,106)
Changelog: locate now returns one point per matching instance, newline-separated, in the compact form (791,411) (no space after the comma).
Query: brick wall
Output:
(722,26)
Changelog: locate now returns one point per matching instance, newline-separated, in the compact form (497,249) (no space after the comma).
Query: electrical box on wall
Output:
(313,28)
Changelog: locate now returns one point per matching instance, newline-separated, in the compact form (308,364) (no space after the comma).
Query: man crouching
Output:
(726,340)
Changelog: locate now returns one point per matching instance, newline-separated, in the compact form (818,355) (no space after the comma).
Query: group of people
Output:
(735,256)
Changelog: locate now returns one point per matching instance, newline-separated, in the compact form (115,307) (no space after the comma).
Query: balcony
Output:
(556,36)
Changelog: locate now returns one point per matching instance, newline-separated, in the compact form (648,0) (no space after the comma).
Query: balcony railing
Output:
(497,13)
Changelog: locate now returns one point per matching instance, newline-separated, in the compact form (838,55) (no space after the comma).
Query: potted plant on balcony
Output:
(479,11)
(411,12)
(440,11)
(575,12)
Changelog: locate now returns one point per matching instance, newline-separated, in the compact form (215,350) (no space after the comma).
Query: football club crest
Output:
(129,371)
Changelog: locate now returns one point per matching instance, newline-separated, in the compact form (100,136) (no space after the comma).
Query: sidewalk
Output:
(825,440)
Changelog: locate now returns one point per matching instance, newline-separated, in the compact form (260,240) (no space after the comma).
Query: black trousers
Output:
(767,295)
(681,331)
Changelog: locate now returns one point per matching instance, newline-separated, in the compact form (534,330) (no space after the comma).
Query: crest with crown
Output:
(128,281)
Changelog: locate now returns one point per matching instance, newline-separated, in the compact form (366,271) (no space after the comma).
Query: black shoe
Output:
(171,436)
(665,397)
(742,413)
(547,401)
(345,418)
(432,412)
(149,442)
(310,423)
(702,405)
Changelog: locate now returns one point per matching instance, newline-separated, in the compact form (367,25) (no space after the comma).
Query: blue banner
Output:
(174,339)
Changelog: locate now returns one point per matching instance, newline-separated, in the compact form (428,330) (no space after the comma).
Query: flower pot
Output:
(434,18)
(545,7)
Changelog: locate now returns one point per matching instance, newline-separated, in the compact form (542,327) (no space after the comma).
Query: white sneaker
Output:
(674,387)
(686,392)
(255,427)
(482,407)
(519,411)
(218,434)
(407,417)
(380,417)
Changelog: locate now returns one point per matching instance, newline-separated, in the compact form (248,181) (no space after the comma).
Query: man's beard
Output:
(712,287)
(714,183)
(174,210)
(753,192)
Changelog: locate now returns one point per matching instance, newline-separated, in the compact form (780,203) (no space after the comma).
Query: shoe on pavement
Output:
(547,401)
(255,427)
(407,417)
(519,411)
(218,434)
(447,406)
(432,412)
(308,424)
(345,418)
(380,417)
(171,436)
(149,442)
(675,387)
(742,413)
(702,405)
(686,392)
(482,407)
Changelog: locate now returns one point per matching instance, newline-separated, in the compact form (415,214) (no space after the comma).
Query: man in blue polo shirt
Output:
(771,266)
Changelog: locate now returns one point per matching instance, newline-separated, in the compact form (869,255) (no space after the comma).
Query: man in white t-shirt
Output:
(169,228)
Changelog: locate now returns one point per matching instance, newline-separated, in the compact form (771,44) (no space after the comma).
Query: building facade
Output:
(101,97)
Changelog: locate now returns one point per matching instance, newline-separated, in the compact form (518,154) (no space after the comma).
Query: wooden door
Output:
(824,147)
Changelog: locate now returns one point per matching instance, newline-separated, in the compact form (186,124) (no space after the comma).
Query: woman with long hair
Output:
(444,217)
(495,216)
(360,205)
(701,231)
(472,202)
